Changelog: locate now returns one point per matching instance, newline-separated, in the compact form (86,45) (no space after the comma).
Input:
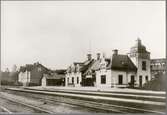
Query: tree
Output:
(14,68)
(7,70)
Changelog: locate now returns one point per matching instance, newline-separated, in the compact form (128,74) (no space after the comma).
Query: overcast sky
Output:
(57,33)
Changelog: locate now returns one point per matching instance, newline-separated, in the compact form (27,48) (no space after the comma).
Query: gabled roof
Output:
(54,76)
(96,64)
(159,60)
(86,65)
(60,71)
(116,62)
(139,47)
(30,67)
(122,62)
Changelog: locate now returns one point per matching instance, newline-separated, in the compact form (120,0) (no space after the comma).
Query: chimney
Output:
(89,56)
(138,42)
(115,52)
(98,56)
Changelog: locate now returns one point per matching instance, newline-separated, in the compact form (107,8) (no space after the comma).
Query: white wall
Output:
(143,73)
(112,78)
(24,77)
(126,78)
(108,78)
(75,75)
(43,81)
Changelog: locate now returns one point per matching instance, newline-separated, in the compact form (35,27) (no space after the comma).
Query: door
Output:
(132,80)
(140,81)
(120,79)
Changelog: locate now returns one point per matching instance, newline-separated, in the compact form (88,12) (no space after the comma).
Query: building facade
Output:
(158,66)
(75,73)
(132,70)
(55,78)
(31,74)
(141,58)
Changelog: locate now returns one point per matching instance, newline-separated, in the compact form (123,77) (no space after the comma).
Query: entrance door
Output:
(140,81)
(132,80)
(120,79)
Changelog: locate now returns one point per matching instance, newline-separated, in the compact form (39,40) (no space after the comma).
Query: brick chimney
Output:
(98,56)
(115,52)
(89,56)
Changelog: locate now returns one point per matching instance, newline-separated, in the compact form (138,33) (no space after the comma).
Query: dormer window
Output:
(39,69)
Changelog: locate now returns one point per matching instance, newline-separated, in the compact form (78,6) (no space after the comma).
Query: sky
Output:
(57,33)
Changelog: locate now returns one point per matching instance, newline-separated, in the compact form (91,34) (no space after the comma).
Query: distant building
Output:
(158,66)
(117,71)
(31,74)
(56,78)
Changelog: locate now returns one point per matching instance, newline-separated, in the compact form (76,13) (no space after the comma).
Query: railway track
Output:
(13,100)
(90,104)
(101,106)
(5,110)
(118,95)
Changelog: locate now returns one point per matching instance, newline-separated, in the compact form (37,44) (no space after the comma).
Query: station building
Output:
(119,70)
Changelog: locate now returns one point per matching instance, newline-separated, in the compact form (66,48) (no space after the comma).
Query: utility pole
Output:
(0,78)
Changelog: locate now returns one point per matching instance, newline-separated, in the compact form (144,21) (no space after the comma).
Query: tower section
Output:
(141,58)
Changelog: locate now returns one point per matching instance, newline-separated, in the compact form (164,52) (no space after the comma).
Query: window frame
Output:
(144,65)
(146,78)
(120,76)
(103,79)
(77,80)
(72,80)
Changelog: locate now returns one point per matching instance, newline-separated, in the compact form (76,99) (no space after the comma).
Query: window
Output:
(143,65)
(39,69)
(72,80)
(77,80)
(146,78)
(151,66)
(120,79)
(68,80)
(103,79)
(140,81)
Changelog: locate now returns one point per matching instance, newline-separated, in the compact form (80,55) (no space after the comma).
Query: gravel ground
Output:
(55,108)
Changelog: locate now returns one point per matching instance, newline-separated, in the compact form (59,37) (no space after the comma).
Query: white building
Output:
(117,71)
(75,72)
(141,58)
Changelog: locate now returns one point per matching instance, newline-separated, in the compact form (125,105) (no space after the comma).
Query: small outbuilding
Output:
(54,79)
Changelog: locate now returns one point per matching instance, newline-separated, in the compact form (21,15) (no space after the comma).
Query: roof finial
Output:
(138,39)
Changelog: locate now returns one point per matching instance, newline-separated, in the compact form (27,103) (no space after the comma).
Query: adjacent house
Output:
(158,66)
(31,74)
